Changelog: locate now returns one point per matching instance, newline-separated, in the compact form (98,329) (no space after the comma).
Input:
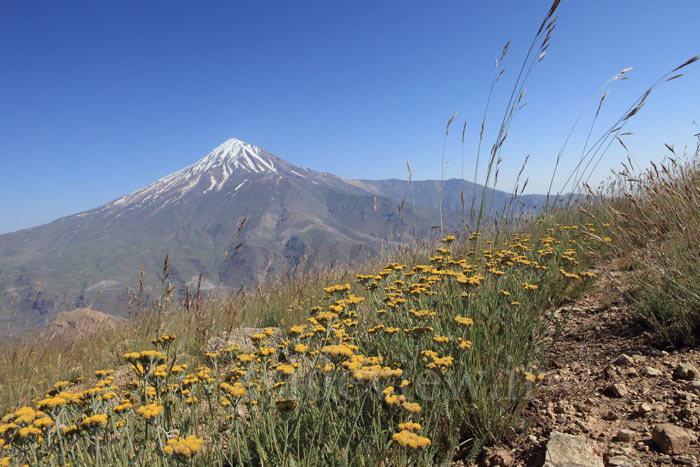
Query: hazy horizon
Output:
(101,100)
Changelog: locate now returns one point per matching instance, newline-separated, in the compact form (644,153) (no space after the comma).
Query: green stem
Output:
(97,449)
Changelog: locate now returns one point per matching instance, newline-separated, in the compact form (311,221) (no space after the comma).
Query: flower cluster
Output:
(364,348)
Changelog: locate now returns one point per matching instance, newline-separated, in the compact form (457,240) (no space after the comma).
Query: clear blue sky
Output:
(98,99)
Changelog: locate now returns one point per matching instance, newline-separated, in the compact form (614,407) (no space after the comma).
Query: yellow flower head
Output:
(51,402)
(411,440)
(42,422)
(412,407)
(441,339)
(236,390)
(464,321)
(95,421)
(337,351)
(258,337)
(24,415)
(61,384)
(285,369)
(29,431)
(149,411)
(123,407)
(184,448)
(326,316)
(394,399)
(464,344)
(409,426)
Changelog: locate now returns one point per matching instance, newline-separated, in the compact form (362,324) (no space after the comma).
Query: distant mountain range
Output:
(290,216)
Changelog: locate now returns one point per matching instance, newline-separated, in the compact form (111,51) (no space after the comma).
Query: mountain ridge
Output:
(294,218)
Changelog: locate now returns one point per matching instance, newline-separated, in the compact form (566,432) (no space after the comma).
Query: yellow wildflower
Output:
(337,351)
(285,369)
(412,407)
(24,415)
(568,275)
(123,407)
(8,427)
(95,421)
(28,431)
(183,447)
(149,411)
(42,422)
(258,337)
(51,402)
(236,391)
(409,426)
(464,344)
(61,384)
(464,321)
(411,440)
(326,316)
(449,239)
(70,430)
(394,399)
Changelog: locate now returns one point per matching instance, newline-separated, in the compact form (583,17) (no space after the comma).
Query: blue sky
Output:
(98,99)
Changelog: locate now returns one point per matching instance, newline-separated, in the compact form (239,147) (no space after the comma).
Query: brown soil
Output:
(602,342)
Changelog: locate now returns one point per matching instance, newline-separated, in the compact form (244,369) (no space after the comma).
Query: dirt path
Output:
(610,383)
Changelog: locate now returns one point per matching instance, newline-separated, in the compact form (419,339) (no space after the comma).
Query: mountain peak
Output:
(232,146)
(234,154)
(231,159)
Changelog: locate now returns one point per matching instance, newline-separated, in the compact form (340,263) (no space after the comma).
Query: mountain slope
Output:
(293,216)
(427,193)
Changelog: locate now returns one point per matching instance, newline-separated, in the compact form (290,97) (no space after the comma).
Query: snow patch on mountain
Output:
(235,154)
(230,158)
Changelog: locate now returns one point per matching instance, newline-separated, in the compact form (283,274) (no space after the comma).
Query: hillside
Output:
(427,193)
(543,346)
(290,218)
(246,311)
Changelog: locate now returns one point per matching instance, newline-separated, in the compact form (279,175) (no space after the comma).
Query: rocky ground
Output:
(612,395)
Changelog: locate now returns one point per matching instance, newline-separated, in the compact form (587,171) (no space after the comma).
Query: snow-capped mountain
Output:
(230,160)
(292,217)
